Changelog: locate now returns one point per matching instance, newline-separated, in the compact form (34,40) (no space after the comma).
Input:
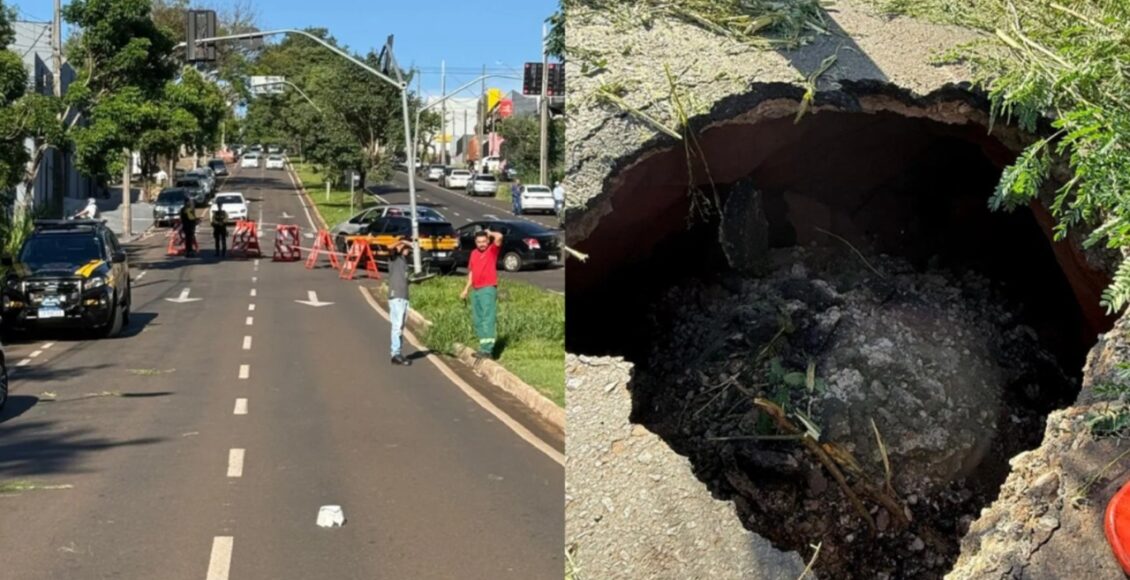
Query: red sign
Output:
(505,108)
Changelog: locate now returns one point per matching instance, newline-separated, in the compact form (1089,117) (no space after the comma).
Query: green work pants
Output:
(484,313)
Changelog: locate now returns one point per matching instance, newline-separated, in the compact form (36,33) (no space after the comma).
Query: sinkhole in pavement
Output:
(855,346)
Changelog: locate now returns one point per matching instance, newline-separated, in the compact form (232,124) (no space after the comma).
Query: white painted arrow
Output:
(183,298)
(286,216)
(313,301)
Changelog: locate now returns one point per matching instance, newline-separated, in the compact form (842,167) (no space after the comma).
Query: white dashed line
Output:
(254,292)
(47,346)
(244,371)
(35,354)
(220,563)
(24,362)
(141,275)
(247,343)
(235,463)
(240,407)
(254,279)
(251,308)
(250,320)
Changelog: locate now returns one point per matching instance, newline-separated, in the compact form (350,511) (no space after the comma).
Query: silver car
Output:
(482,185)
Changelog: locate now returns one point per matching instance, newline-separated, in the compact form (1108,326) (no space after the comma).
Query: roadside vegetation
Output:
(531,328)
(335,209)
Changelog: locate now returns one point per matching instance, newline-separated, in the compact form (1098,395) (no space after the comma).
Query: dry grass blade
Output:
(857,253)
(886,460)
(1079,497)
(576,254)
(811,562)
(607,96)
(778,415)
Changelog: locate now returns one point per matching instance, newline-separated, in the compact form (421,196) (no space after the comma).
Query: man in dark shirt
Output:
(220,231)
(482,285)
(398,296)
(188,227)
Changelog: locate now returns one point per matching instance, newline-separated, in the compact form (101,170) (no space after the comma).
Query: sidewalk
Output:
(110,210)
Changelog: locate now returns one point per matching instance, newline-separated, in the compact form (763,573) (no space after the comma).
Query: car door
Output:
(119,273)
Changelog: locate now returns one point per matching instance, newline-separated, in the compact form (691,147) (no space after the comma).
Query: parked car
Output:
(434,172)
(524,244)
(68,273)
(437,240)
(233,203)
(194,186)
(219,167)
(207,182)
(457,179)
(491,164)
(275,162)
(168,205)
(482,185)
(354,225)
(250,160)
(536,198)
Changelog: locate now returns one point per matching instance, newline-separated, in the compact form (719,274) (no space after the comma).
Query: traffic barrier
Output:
(245,239)
(323,245)
(359,250)
(176,241)
(287,244)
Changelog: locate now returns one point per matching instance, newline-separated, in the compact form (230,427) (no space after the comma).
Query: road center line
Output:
(254,292)
(47,346)
(247,343)
(220,563)
(250,320)
(251,308)
(244,371)
(35,353)
(235,463)
(24,362)
(240,407)
(254,279)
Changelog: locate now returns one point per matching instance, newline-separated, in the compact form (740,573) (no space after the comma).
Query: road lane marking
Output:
(250,320)
(219,565)
(235,463)
(471,393)
(24,362)
(35,354)
(301,198)
(240,407)
(183,298)
(244,371)
(251,308)
(254,279)
(254,292)
(247,343)
(47,346)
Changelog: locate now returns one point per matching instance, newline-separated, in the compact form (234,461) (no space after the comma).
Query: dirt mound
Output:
(938,364)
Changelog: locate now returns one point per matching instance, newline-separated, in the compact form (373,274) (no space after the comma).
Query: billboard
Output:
(263,85)
(493,97)
(505,108)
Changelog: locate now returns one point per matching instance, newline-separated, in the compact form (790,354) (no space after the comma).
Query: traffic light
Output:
(200,24)
(556,80)
(531,80)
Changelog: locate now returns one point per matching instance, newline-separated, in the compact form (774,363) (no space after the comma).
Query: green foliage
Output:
(555,42)
(522,146)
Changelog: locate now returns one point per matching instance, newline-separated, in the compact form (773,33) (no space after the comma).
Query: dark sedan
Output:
(524,244)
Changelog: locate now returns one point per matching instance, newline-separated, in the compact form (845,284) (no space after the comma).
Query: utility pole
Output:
(443,112)
(482,119)
(464,135)
(544,173)
(127,199)
(57,47)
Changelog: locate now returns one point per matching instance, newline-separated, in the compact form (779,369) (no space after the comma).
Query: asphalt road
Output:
(202,443)
(462,209)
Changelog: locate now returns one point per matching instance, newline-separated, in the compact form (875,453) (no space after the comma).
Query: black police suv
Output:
(68,273)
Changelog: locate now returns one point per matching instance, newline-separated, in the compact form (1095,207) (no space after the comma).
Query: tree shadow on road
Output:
(42,447)
(17,405)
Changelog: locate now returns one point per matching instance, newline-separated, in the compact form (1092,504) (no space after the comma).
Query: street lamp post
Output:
(401,86)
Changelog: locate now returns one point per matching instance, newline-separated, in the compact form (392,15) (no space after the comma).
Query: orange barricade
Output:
(176,241)
(287,244)
(323,245)
(359,250)
(245,240)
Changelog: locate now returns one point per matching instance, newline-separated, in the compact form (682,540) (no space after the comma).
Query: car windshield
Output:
(437,230)
(538,189)
(188,183)
(275,158)
(226,199)
(460,173)
(215,163)
(485,178)
(60,250)
(170,196)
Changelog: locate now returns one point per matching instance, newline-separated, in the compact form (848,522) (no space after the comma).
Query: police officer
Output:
(220,231)
(188,227)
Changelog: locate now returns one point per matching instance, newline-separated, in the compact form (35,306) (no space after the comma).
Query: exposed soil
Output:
(942,361)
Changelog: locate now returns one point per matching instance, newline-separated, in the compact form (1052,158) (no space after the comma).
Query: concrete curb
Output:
(306,195)
(493,372)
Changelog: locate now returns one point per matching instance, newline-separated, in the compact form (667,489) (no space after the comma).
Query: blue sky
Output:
(468,34)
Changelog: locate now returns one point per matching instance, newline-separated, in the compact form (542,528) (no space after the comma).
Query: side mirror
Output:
(118,258)
(6,261)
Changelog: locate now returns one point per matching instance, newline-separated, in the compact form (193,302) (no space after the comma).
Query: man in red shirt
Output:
(482,284)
